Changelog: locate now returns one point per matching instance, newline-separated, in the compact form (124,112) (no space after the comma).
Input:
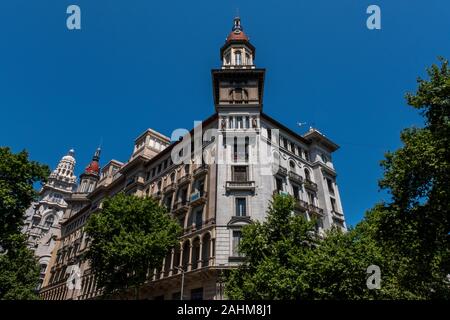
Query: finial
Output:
(97,154)
(237,25)
(71,152)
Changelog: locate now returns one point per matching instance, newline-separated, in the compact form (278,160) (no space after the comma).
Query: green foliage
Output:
(19,274)
(17,176)
(408,237)
(414,227)
(130,236)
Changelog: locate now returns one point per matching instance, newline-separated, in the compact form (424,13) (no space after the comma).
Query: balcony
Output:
(240,185)
(202,169)
(170,187)
(181,206)
(282,171)
(338,215)
(184,179)
(315,210)
(311,185)
(198,198)
(301,205)
(295,177)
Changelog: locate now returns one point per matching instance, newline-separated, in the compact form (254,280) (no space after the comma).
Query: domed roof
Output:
(70,156)
(94,167)
(237,33)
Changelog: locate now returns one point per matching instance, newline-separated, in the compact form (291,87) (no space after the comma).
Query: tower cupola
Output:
(237,52)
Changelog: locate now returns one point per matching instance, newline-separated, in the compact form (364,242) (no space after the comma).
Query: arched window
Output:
(186,249)
(238,58)
(49,221)
(206,250)
(292,165)
(307,175)
(247,59)
(195,253)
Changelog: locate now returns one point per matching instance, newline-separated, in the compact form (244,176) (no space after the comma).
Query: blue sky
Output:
(140,64)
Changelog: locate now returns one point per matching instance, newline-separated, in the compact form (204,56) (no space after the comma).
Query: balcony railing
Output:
(295,177)
(184,179)
(313,209)
(203,168)
(338,215)
(301,205)
(170,187)
(240,185)
(282,171)
(198,197)
(181,206)
(310,185)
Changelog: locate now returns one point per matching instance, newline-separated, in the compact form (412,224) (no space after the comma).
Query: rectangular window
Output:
(240,124)
(307,156)
(198,218)
(330,186)
(296,192)
(311,198)
(333,204)
(269,134)
(237,236)
(239,173)
(279,184)
(241,207)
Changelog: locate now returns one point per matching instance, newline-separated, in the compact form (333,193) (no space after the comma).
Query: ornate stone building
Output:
(215,180)
(42,219)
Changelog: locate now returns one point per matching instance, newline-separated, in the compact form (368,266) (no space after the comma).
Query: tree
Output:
(129,238)
(17,176)
(19,275)
(407,236)
(414,226)
(286,259)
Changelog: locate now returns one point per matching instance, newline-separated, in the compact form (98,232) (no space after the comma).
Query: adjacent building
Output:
(215,180)
(42,219)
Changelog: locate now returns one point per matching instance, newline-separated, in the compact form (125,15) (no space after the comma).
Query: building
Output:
(215,180)
(42,219)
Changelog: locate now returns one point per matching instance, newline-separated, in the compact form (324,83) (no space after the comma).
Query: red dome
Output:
(93,167)
(240,36)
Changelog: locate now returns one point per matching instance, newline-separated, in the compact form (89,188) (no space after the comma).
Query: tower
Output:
(91,174)
(42,219)
(238,83)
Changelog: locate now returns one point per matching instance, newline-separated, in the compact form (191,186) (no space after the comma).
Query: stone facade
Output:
(42,219)
(215,180)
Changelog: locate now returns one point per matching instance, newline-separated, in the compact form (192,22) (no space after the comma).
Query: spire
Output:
(94,167)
